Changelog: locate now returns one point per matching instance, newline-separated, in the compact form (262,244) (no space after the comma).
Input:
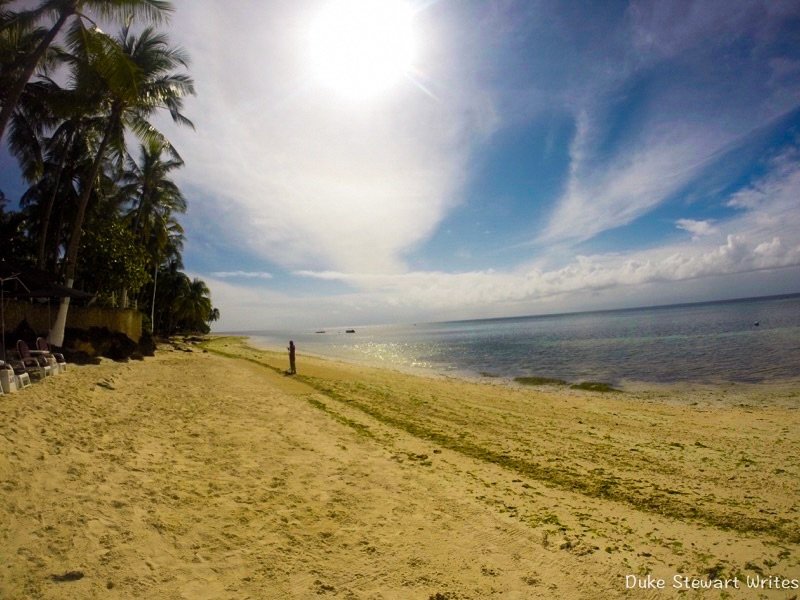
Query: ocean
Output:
(749,340)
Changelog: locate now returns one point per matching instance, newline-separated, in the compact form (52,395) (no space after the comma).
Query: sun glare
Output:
(360,48)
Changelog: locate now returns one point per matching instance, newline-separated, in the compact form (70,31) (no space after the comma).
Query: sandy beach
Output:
(214,475)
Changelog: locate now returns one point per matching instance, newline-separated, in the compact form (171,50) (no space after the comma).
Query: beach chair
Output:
(36,364)
(43,346)
(8,380)
(13,376)
(51,359)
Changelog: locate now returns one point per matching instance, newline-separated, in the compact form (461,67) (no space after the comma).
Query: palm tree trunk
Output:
(83,202)
(33,61)
(51,258)
(153,305)
(56,336)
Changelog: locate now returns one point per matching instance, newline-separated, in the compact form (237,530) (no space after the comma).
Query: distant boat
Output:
(349,330)
(320,331)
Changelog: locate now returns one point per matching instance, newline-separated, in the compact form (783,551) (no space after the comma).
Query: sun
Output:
(360,48)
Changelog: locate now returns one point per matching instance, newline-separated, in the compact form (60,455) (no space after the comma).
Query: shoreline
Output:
(363,387)
(738,389)
(212,474)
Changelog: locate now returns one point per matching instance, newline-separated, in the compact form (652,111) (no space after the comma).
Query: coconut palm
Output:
(154,199)
(62,11)
(130,78)
(192,304)
(48,134)
(155,196)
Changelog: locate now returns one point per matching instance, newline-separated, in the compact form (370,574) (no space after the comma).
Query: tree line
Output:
(76,106)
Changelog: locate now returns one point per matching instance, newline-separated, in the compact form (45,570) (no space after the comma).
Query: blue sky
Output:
(539,157)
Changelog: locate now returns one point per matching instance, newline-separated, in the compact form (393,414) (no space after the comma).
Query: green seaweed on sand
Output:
(594,386)
(655,500)
(539,381)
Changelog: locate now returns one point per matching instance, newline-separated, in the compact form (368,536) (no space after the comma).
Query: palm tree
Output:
(162,315)
(192,305)
(62,11)
(48,135)
(155,198)
(131,78)
(18,40)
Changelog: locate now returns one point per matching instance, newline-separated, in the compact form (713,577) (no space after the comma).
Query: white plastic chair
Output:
(13,377)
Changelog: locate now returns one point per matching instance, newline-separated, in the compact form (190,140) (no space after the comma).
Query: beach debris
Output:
(531,580)
(68,576)
(422,459)
(324,588)
(105,384)
(349,330)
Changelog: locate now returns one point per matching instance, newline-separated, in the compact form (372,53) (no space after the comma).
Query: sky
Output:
(526,157)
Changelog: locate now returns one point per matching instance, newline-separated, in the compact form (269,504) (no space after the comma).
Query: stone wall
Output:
(41,316)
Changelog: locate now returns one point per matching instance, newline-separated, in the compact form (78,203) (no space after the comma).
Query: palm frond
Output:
(155,11)
(24,142)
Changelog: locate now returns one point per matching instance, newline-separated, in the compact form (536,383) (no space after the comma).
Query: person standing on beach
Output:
(292,369)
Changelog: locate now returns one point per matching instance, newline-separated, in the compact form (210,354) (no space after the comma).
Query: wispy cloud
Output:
(332,190)
(779,186)
(242,275)
(698,229)
(606,196)
(689,106)
(302,177)
(437,290)
(764,236)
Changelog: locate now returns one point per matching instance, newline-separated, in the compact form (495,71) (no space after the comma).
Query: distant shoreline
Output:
(764,390)
(734,342)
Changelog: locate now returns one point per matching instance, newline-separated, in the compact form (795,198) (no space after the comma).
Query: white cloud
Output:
(300,176)
(698,229)
(682,119)
(341,192)
(763,238)
(779,187)
(242,274)
(669,28)
(438,290)
(608,196)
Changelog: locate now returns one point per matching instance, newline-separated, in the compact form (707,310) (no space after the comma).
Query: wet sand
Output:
(214,475)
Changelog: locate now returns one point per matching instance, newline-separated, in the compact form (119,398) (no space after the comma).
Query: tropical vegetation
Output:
(76,105)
